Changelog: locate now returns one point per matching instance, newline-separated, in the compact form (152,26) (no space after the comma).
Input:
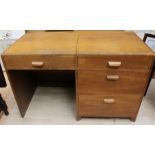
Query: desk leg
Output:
(23,87)
(78,118)
(133,119)
(77,97)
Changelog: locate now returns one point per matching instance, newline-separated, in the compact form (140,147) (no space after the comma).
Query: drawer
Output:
(114,62)
(108,105)
(111,82)
(38,62)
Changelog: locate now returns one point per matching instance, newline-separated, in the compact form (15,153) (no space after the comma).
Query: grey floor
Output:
(57,106)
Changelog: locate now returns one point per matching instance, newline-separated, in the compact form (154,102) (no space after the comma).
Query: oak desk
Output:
(110,69)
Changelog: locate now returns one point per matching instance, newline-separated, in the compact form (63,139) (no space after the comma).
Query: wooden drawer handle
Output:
(37,64)
(109,101)
(114,63)
(112,77)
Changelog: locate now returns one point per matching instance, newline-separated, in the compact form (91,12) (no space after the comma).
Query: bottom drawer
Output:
(109,106)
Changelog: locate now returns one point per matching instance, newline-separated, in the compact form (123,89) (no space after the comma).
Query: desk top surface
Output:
(80,43)
(111,42)
(44,43)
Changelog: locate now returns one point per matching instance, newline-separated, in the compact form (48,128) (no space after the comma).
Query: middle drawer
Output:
(111,82)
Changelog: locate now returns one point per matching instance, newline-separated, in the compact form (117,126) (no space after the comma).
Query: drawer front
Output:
(39,62)
(114,62)
(108,105)
(111,82)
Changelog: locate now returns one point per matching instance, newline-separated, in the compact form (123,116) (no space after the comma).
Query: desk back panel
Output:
(55,78)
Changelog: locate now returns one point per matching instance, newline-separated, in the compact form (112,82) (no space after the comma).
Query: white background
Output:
(79,14)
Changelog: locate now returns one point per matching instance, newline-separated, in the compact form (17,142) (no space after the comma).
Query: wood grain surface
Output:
(111,42)
(50,43)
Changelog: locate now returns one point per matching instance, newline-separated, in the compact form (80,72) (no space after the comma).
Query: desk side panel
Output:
(23,87)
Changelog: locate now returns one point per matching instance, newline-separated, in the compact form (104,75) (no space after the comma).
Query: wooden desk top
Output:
(111,42)
(55,43)
(80,43)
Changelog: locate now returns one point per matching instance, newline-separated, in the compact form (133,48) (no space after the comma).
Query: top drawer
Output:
(38,62)
(113,62)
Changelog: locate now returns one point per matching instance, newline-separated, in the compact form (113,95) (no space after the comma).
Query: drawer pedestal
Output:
(113,87)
